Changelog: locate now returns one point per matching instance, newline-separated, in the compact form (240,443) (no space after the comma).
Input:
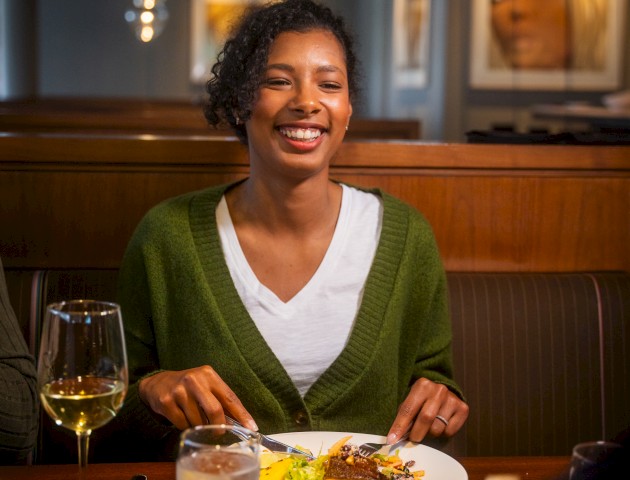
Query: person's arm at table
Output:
(19,405)
(159,399)
(434,405)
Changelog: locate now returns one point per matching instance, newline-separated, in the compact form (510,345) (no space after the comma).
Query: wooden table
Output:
(478,468)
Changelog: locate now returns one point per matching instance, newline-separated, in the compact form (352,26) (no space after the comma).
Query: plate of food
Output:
(418,462)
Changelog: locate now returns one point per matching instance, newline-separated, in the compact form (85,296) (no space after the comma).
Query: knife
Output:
(275,445)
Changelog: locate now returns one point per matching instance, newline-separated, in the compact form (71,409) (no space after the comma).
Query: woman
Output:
(287,300)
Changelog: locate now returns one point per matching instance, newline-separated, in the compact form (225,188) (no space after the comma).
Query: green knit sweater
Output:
(181,310)
(19,400)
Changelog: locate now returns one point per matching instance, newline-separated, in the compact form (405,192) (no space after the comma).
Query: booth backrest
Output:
(74,201)
(542,357)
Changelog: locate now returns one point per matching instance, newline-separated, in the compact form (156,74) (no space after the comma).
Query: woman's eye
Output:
(331,86)
(277,82)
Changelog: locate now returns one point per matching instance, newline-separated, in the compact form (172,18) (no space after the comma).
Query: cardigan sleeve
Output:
(19,405)
(434,360)
(434,353)
(144,434)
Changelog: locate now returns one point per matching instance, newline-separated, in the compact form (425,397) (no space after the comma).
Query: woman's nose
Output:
(306,101)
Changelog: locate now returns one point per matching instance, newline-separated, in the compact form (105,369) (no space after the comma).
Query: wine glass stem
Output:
(83,440)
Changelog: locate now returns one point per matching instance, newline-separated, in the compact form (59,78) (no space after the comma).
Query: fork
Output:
(274,445)
(368,448)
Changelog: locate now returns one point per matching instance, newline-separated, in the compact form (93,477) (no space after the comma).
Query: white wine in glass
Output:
(82,367)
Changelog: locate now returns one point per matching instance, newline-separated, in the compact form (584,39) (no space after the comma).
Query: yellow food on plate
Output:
(273,468)
(336,448)
(267,458)
(394,467)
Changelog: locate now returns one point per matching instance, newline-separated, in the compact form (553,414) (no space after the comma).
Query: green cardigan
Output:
(181,310)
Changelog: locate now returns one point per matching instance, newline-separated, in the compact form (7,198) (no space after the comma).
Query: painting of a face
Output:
(547,44)
(532,34)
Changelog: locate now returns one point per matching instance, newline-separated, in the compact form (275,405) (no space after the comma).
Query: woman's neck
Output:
(299,208)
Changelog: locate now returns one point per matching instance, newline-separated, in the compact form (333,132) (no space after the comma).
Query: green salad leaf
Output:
(301,469)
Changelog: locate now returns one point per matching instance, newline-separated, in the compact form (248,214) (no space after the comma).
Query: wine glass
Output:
(218,452)
(82,368)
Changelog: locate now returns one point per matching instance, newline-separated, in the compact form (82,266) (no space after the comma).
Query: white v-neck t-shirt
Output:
(308,332)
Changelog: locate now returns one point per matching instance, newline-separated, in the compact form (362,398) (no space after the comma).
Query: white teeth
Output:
(307,134)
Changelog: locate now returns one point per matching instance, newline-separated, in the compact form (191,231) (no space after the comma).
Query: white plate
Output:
(437,465)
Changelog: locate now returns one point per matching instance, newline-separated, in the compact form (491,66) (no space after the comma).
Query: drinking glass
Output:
(596,460)
(82,368)
(218,452)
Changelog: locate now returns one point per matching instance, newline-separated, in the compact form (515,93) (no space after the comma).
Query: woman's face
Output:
(532,34)
(302,107)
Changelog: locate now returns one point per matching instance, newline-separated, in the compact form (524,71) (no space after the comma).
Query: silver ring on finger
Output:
(442,419)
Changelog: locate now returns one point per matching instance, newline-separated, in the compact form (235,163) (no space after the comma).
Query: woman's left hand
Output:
(430,408)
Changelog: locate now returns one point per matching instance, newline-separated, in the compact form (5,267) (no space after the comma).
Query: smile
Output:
(302,134)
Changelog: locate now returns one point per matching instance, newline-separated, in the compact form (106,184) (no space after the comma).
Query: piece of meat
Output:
(361,469)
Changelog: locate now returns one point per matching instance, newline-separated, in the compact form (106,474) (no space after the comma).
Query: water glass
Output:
(596,460)
(218,452)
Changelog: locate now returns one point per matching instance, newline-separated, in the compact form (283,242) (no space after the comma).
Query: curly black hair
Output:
(237,74)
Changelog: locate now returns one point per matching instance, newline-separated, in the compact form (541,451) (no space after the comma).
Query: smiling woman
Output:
(244,60)
(303,103)
(287,299)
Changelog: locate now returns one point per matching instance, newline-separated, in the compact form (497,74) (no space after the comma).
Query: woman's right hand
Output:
(193,397)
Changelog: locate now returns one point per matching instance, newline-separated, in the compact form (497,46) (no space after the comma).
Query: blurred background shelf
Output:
(599,118)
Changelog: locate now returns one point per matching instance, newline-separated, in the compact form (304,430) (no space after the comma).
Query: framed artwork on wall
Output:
(411,43)
(547,44)
(211,21)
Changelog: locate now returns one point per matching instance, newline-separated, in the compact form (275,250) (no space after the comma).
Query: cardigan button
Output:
(300,418)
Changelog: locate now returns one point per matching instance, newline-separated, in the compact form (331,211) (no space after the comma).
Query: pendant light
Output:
(147,18)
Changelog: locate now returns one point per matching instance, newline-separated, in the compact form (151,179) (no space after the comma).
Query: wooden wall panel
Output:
(521,223)
(83,218)
(73,201)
